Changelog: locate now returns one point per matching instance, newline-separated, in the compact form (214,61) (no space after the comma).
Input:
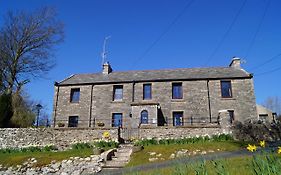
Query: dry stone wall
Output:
(24,137)
(175,133)
(63,138)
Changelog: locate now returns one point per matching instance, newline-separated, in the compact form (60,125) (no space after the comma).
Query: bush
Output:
(254,131)
(6,110)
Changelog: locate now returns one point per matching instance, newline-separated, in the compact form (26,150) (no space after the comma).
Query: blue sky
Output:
(162,34)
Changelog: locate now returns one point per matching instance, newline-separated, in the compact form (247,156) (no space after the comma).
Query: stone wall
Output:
(24,137)
(182,132)
(62,138)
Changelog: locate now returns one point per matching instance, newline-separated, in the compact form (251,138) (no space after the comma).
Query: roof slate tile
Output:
(157,75)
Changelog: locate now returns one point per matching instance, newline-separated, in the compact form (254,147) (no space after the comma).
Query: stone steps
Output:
(120,159)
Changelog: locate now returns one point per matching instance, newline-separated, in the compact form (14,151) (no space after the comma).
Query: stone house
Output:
(265,114)
(171,98)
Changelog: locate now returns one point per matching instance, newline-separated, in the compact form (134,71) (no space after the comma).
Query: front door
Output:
(117,120)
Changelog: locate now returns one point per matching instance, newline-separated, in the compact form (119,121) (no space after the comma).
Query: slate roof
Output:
(157,75)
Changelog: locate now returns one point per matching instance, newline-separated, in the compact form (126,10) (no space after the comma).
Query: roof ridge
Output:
(156,70)
(162,74)
(67,78)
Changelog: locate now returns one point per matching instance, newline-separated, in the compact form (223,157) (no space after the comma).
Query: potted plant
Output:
(61,125)
(100,124)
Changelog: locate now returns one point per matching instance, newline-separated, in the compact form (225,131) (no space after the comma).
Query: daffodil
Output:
(106,134)
(251,148)
(262,143)
(279,150)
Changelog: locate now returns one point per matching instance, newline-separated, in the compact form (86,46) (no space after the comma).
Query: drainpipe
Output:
(209,102)
(133,91)
(91,104)
(56,105)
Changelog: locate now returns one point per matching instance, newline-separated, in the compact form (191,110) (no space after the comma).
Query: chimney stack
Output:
(235,63)
(106,68)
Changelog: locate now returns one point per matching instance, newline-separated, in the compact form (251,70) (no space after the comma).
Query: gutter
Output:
(155,80)
(91,105)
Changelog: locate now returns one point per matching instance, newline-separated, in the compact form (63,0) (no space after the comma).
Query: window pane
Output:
(118,92)
(177,91)
(73,121)
(74,95)
(144,117)
(147,91)
(117,120)
(178,118)
(231,115)
(226,89)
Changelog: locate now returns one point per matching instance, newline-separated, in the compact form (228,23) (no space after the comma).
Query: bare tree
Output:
(44,119)
(27,43)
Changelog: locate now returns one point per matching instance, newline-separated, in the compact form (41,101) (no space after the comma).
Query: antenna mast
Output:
(104,52)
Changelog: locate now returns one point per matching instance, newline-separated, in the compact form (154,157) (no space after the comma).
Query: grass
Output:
(43,158)
(245,165)
(230,166)
(142,157)
(45,155)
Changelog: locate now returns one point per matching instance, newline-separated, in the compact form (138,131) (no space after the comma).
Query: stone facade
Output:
(201,101)
(265,115)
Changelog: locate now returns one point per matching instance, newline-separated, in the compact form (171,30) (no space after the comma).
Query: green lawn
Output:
(45,155)
(142,157)
(232,166)
(239,165)
(43,158)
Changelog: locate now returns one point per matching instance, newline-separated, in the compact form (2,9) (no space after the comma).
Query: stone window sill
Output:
(228,98)
(121,101)
(177,100)
(74,102)
(147,100)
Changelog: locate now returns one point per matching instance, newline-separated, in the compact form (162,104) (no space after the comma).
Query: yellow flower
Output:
(251,148)
(279,150)
(106,134)
(262,143)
